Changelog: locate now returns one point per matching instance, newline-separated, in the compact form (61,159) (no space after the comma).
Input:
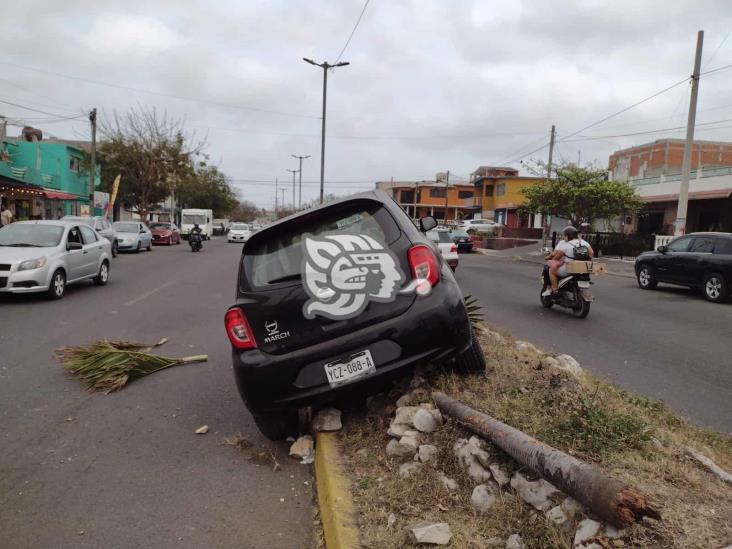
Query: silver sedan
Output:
(133,236)
(46,256)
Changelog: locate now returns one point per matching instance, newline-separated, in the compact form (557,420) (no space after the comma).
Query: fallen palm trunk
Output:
(610,499)
(712,467)
(107,366)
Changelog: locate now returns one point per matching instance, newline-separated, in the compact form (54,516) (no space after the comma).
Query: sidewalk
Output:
(533,254)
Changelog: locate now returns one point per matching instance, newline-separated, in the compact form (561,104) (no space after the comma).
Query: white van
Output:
(190,217)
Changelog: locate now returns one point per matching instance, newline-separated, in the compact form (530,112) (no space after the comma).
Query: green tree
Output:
(247,211)
(208,188)
(580,194)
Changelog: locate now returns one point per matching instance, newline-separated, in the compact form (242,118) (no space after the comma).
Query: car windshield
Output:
(21,235)
(279,258)
(160,226)
(126,227)
(86,220)
(240,227)
(439,236)
(192,219)
(459,233)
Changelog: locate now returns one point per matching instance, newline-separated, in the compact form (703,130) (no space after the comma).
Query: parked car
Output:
(239,232)
(479,226)
(133,236)
(100,224)
(46,256)
(335,299)
(462,240)
(697,260)
(448,249)
(165,233)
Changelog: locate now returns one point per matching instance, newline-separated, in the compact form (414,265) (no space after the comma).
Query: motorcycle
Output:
(195,240)
(573,294)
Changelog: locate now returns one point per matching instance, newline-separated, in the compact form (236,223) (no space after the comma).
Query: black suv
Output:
(697,260)
(337,298)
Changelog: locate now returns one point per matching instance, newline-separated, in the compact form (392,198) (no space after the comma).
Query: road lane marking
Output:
(147,294)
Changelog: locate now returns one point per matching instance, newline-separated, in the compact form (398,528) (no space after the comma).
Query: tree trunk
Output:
(610,499)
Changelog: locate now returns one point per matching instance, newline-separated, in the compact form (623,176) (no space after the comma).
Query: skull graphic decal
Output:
(343,272)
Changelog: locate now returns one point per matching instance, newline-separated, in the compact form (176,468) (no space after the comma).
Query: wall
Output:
(513,196)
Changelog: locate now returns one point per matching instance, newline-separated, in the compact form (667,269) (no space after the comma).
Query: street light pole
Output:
(325,66)
(293,187)
(299,197)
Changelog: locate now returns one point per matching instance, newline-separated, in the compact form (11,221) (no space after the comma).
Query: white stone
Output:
(449,483)
(496,338)
(391,520)
(570,365)
(549,362)
(411,442)
(436,533)
(478,473)
(500,476)
(587,529)
(398,429)
(406,469)
(571,507)
(478,451)
(612,532)
(362,453)
(514,541)
(405,414)
(327,419)
(424,421)
(482,498)
(403,400)
(559,518)
(427,453)
(526,347)
(396,449)
(536,493)
(303,449)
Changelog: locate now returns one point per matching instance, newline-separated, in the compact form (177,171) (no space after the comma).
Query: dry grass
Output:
(636,439)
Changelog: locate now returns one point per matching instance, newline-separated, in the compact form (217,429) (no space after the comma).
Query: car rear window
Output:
(276,256)
(723,246)
(439,236)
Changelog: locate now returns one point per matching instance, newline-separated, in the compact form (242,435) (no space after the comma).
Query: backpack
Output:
(581,252)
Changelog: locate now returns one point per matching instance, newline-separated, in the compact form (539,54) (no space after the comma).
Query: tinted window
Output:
(75,235)
(89,235)
(680,244)
(439,236)
(278,256)
(702,245)
(723,246)
(21,235)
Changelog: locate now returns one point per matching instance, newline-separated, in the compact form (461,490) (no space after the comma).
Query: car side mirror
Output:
(662,249)
(427,223)
(70,246)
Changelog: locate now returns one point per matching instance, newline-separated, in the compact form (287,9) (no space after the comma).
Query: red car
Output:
(165,233)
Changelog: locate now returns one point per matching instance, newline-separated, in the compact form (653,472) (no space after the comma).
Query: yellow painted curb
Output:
(337,510)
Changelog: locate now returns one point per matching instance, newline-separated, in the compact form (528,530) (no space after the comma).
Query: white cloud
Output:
(119,34)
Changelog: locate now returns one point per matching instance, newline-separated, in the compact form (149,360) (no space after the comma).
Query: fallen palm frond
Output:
(107,366)
(474,309)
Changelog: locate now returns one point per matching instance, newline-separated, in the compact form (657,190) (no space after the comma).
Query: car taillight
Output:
(453,248)
(238,330)
(424,264)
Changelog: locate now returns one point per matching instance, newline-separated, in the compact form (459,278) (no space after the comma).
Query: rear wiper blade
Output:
(285,278)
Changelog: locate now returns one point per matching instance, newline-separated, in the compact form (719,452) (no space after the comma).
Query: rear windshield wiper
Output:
(285,278)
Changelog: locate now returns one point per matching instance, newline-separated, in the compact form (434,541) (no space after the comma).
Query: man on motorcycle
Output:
(562,254)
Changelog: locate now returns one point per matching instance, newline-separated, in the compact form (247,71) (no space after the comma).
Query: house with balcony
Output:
(421,198)
(43,179)
(498,196)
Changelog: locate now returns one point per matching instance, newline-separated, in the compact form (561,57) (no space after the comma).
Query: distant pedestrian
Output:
(6,216)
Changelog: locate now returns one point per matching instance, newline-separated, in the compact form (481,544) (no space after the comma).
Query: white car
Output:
(479,225)
(239,232)
(448,249)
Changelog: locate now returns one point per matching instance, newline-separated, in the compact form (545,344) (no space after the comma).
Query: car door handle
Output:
(86,251)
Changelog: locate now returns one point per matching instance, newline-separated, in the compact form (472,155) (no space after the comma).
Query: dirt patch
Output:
(634,438)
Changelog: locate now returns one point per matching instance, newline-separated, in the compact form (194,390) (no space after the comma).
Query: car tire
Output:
(139,247)
(57,288)
(715,288)
(115,249)
(103,276)
(277,425)
(471,361)
(149,247)
(646,278)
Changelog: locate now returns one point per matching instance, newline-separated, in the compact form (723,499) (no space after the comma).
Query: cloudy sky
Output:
(432,85)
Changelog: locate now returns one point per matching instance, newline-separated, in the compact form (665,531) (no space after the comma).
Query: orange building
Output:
(497,196)
(420,198)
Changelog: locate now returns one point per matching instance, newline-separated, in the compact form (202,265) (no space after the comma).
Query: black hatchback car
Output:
(696,260)
(334,299)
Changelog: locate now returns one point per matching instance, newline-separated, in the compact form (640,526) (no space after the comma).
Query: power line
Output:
(160,94)
(646,132)
(520,149)
(37,110)
(718,47)
(352,32)
(718,69)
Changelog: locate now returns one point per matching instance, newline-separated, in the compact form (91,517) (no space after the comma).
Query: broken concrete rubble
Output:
(303,449)
(424,421)
(536,493)
(427,453)
(435,533)
(482,497)
(407,469)
(327,419)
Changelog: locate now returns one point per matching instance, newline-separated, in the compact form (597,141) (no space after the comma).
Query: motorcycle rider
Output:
(562,254)
(195,234)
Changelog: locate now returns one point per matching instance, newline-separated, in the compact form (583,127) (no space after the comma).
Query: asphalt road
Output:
(669,344)
(126,469)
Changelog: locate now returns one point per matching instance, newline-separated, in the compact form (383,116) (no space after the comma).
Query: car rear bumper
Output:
(434,329)
(465,247)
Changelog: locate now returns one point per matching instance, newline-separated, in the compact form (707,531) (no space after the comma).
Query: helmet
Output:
(570,232)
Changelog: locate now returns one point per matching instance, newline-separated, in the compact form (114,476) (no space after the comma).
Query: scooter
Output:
(195,240)
(573,294)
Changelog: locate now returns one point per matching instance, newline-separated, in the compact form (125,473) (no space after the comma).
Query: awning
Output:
(58,195)
(8,185)
(698,195)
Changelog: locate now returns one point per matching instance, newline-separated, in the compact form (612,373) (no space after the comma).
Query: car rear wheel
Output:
(715,288)
(149,246)
(58,285)
(139,247)
(471,361)
(103,276)
(646,278)
(277,425)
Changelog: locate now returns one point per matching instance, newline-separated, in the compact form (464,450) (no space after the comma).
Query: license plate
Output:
(356,366)
(583,284)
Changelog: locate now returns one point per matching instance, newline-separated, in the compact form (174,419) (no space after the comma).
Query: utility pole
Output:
(325,66)
(93,169)
(551,154)
(447,193)
(299,195)
(276,197)
(293,187)
(283,197)
(686,166)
